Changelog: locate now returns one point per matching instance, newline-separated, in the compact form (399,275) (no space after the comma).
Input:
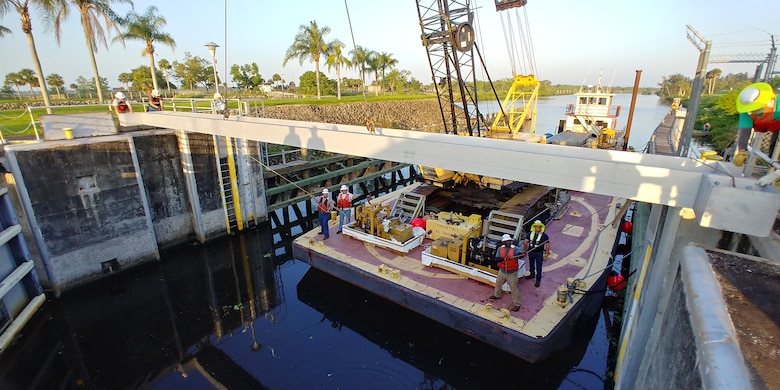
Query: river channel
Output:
(240,313)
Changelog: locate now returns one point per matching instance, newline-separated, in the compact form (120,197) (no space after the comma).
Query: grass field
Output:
(17,123)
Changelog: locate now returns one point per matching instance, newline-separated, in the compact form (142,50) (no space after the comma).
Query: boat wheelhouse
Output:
(592,112)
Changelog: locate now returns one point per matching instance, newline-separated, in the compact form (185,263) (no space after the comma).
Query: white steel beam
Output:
(720,200)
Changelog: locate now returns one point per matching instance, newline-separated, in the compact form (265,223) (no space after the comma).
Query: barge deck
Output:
(582,242)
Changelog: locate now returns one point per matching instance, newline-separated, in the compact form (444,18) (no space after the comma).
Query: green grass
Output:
(16,123)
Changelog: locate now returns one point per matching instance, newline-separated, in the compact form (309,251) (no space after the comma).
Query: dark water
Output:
(240,314)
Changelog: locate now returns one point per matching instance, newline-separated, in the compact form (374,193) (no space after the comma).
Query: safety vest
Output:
(766,122)
(507,264)
(533,242)
(323,205)
(121,106)
(343,202)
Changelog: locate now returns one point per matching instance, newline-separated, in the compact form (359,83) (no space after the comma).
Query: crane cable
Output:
(519,44)
(369,118)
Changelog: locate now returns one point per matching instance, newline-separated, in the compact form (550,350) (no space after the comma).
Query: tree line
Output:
(99,20)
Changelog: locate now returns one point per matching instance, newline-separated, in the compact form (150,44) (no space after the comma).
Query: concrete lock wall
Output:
(166,190)
(85,205)
(204,173)
(94,205)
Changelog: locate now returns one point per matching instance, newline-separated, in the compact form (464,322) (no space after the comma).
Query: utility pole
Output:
(770,65)
(698,83)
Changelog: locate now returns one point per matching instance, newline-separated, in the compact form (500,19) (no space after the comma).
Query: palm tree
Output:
(358,57)
(3,31)
(384,61)
(336,59)
(125,78)
(147,28)
(277,78)
(165,67)
(28,77)
(309,44)
(712,76)
(57,82)
(374,65)
(91,12)
(16,80)
(49,8)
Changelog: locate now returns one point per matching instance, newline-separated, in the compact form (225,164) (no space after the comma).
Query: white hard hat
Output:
(324,190)
(343,187)
(217,95)
(155,93)
(506,237)
(119,95)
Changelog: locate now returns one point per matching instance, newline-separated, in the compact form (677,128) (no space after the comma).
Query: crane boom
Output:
(448,37)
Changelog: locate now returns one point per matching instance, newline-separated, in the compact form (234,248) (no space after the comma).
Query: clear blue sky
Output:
(573,39)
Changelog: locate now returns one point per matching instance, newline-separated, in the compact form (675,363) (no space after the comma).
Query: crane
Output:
(448,35)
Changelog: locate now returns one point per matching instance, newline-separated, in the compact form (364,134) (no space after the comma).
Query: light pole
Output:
(213,50)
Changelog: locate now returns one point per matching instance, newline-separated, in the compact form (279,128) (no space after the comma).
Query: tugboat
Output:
(591,120)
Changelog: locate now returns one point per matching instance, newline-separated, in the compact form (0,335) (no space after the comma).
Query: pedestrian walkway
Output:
(660,142)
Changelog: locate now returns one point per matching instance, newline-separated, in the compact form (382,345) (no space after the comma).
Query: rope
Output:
(7,130)
(280,175)
(14,117)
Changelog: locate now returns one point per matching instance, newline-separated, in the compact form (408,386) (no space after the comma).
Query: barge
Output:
(583,232)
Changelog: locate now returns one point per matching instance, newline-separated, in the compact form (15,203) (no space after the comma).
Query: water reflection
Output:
(225,315)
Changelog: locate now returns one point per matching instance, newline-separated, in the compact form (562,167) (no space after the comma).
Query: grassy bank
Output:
(17,122)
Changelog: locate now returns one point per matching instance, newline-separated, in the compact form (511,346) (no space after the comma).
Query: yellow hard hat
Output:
(754,96)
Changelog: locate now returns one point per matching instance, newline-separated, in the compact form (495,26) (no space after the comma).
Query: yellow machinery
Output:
(369,217)
(451,233)
(606,139)
(518,112)
(516,121)
(372,218)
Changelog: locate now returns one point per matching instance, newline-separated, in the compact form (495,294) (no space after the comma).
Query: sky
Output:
(573,40)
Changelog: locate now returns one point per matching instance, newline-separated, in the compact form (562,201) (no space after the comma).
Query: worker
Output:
(155,101)
(220,105)
(344,204)
(120,103)
(757,105)
(324,205)
(507,271)
(537,245)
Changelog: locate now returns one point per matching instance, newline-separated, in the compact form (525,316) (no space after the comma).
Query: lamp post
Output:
(213,50)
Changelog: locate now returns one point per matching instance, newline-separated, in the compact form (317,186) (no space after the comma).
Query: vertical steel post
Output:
(631,108)
(698,83)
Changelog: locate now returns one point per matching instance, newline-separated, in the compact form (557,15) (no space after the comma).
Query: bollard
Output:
(68,132)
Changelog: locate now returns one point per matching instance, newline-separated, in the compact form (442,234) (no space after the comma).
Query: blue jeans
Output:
(324,218)
(536,260)
(344,214)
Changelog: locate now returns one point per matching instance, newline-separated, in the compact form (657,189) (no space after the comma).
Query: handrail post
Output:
(32,120)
